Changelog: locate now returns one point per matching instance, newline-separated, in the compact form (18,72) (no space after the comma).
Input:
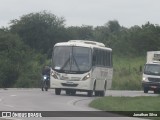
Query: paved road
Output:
(36,100)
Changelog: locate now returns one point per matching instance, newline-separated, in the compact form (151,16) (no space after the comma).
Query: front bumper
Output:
(76,85)
(151,85)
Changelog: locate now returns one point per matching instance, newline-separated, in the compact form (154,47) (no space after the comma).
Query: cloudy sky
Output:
(85,12)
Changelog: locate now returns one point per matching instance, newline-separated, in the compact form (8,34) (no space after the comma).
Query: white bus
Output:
(80,65)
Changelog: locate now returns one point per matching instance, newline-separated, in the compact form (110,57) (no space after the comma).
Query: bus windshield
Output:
(71,59)
(152,69)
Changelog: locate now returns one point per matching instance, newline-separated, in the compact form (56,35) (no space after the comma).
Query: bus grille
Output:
(64,78)
(69,85)
(75,79)
(154,79)
(70,79)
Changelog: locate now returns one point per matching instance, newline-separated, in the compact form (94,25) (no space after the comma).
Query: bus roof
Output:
(83,43)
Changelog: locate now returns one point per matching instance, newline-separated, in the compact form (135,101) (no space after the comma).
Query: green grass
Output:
(126,74)
(146,103)
(142,103)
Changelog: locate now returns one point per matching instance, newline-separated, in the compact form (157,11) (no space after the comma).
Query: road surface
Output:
(36,100)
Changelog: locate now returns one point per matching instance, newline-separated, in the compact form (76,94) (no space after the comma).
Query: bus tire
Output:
(90,93)
(96,93)
(156,91)
(67,92)
(57,91)
(145,90)
(102,93)
(73,92)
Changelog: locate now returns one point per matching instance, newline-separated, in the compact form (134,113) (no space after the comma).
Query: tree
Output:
(39,30)
(20,65)
(108,32)
(11,57)
(84,32)
(113,26)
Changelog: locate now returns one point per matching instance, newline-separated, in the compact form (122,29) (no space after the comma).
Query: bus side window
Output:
(111,64)
(94,60)
(105,58)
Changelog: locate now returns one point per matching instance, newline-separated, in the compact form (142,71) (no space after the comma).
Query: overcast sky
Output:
(85,12)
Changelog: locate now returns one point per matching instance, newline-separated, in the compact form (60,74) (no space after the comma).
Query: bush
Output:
(127,75)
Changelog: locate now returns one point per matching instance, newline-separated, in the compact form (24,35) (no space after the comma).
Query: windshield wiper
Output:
(76,62)
(67,61)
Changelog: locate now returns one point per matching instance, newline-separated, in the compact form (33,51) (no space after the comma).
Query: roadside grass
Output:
(126,73)
(142,103)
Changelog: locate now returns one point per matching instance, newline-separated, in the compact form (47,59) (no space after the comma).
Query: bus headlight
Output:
(145,79)
(86,77)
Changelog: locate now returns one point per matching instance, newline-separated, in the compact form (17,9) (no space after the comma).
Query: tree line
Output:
(27,44)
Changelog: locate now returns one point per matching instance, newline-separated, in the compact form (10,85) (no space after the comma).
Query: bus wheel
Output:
(156,91)
(73,92)
(57,91)
(145,90)
(90,93)
(67,92)
(102,93)
(96,93)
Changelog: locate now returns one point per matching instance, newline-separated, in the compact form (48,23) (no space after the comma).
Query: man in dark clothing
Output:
(46,71)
